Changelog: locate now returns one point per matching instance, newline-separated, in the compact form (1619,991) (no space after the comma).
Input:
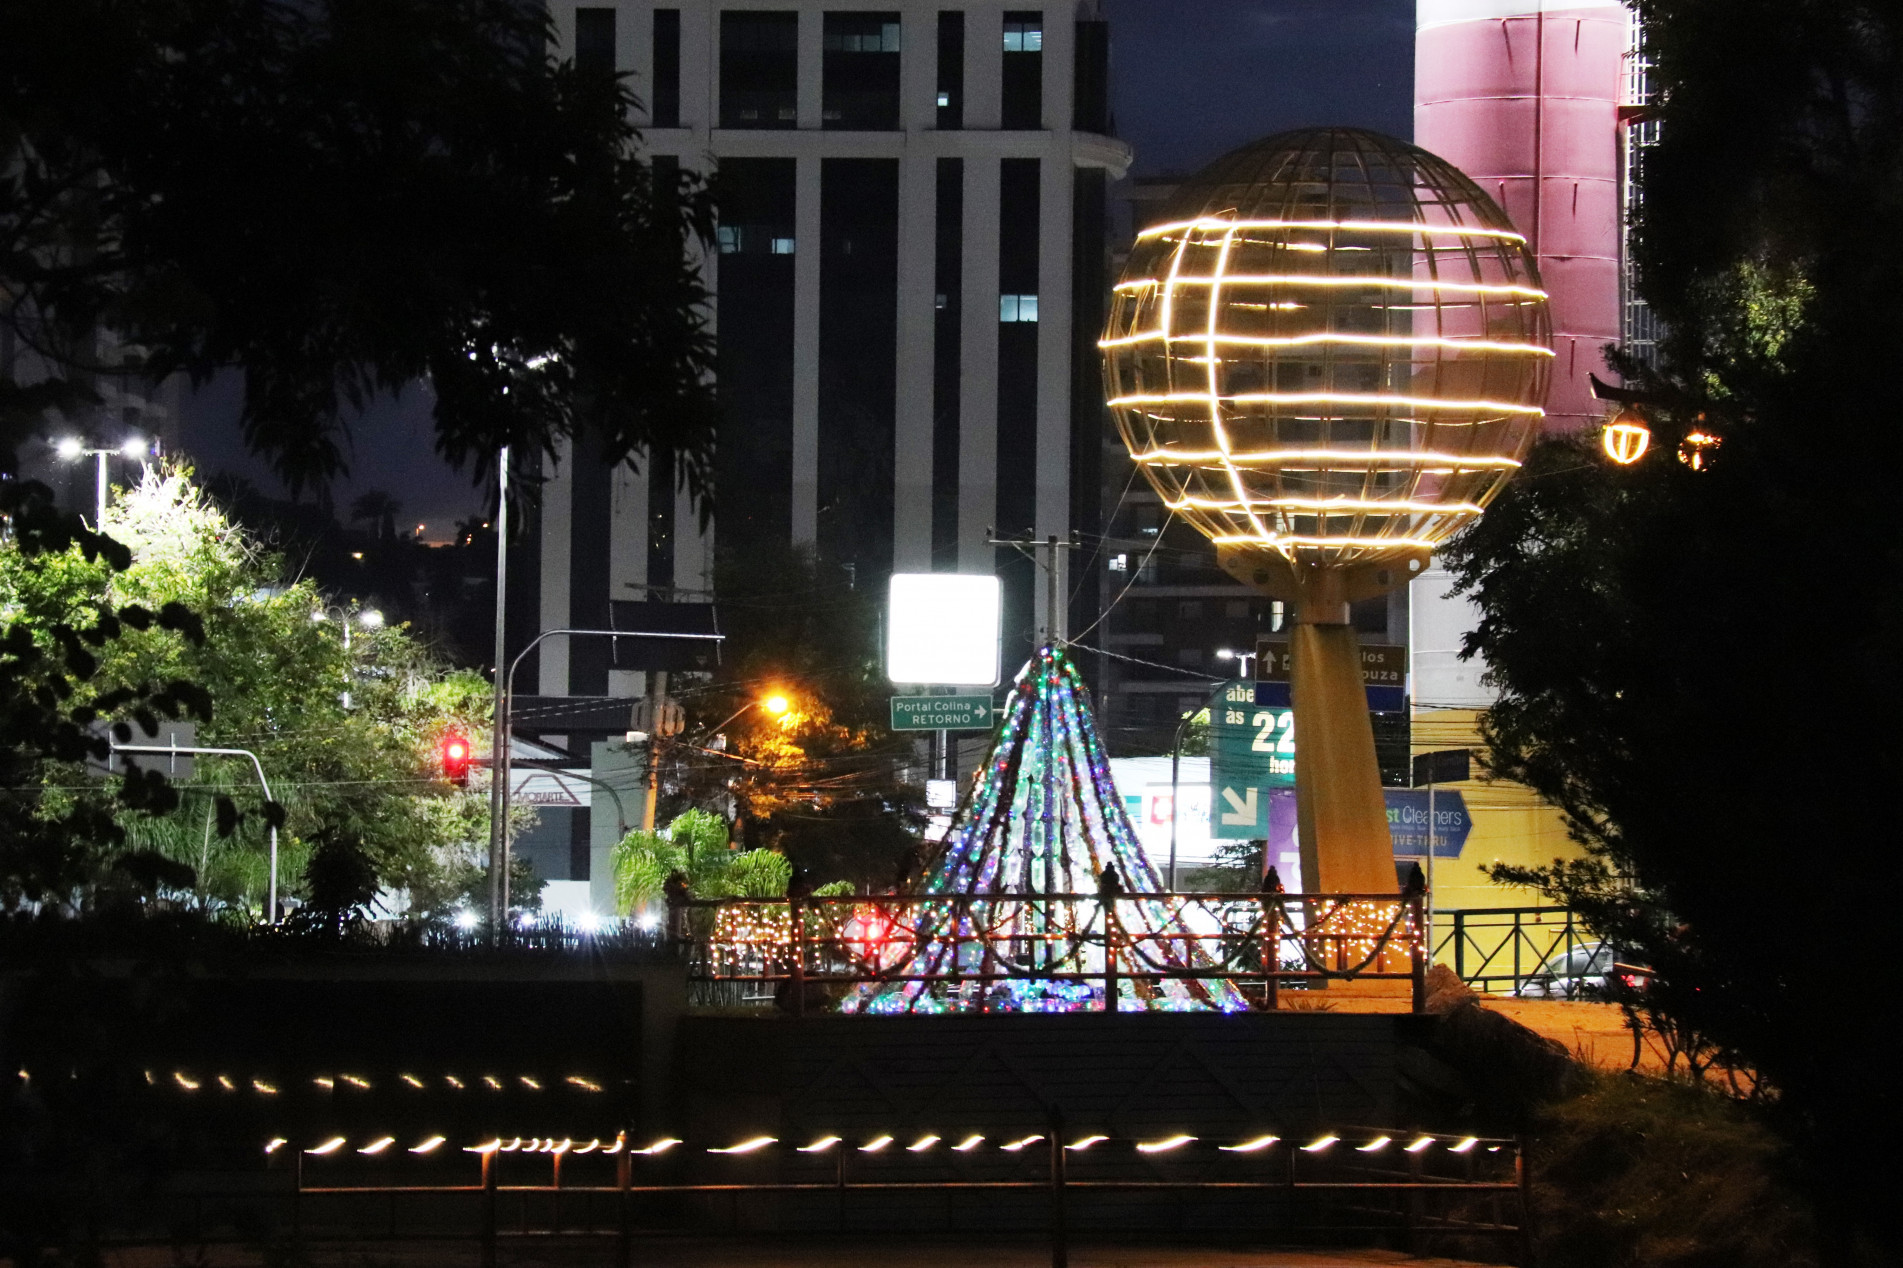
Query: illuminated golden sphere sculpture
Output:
(1328,354)
(1331,349)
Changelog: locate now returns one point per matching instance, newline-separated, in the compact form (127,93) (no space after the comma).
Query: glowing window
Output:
(1017,308)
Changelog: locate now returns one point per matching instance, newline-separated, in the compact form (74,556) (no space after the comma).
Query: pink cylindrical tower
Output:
(1523,96)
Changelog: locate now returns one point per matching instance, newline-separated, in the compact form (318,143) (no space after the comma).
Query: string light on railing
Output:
(746,1146)
(1419,1143)
(968,1144)
(492,1147)
(529,1083)
(378,1145)
(1320,1143)
(429,1146)
(920,1145)
(453,1081)
(1463,1146)
(330,1146)
(361,1084)
(586,1085)
(1087,1142)
(190,1085)
(874,1145)
(274,1144)
(1016,1145)
(512,1146)
(412,1080)
(588,1148)
(1375,1146)
(819,1146)
(1164,1145)
(660,1146)
(227,1084)
(1255,1145)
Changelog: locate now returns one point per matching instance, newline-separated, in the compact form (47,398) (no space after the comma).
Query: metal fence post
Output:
(1060,1238)
(1460,944)
(1420,960)
(798,972)
(297,1197)
(489,1209)
(1523,1175)
(624,1239)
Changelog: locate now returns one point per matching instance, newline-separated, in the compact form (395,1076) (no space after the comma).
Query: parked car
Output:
(1591,970)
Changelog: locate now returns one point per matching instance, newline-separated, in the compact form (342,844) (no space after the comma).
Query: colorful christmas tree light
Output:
(1044,821)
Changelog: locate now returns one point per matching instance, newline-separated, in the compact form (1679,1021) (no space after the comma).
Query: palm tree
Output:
(381,510)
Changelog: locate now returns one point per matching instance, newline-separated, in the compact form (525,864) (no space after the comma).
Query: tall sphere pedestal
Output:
(1328,353)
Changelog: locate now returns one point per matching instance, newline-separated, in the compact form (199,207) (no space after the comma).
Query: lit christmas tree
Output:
(1044,819)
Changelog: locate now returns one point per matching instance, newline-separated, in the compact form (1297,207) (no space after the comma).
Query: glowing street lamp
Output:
(346,617)
(1328,355)
(72,449)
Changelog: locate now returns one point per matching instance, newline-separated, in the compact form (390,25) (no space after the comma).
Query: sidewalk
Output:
(693,1253)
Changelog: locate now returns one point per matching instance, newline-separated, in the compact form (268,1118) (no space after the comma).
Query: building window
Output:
(595,41)
(951,69)
(1024,33)
(1023,103)
(860,73)
(759,69)
(754,240)
(665,108)
(1190,609)
(1017,308)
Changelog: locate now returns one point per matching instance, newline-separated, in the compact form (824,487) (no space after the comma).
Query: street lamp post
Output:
(369,620)
(499,791)
(72,449)
(1176,761)
(174,750)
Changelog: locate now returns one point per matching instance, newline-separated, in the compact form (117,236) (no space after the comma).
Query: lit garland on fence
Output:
(1044,818)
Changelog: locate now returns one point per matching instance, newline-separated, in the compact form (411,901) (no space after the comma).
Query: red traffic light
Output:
(456,759)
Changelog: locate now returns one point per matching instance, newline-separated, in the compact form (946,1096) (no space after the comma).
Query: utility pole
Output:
(1053,632)
(499,745)
(657,702)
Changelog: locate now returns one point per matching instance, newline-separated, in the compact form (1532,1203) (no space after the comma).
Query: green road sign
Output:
(941,713)
(1251,750)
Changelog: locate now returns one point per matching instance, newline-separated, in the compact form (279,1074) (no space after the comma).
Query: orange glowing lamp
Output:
(1626,438)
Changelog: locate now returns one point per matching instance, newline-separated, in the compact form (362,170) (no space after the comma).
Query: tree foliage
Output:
(1701,667)
(341,198)
(266,677)
(827,781)
(695,848)
(57,708)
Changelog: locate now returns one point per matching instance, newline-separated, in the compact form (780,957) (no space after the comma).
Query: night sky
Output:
(1191,79)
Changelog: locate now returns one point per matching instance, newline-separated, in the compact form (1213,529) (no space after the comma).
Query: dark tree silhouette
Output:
(338,199)
(1702,667)
(379,510)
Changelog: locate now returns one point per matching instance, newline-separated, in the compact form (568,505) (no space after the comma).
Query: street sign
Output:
(1445,766)
(1251,751)
(1407,822)
(941,713)
(1383,671)
(170,734)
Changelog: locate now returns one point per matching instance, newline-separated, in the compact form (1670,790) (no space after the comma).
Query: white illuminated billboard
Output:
(942,629)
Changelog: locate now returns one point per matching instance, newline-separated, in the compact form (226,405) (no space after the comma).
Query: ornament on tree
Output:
(1043,820)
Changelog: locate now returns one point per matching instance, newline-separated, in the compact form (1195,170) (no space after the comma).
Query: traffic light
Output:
(456,759)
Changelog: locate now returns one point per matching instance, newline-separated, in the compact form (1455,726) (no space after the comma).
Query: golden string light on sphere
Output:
(1330,350)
